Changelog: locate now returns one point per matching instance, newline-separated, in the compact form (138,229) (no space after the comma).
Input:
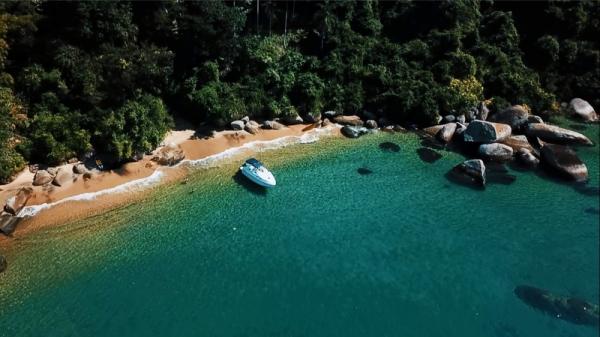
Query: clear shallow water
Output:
(329,252)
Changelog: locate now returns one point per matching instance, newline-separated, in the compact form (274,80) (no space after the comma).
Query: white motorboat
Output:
(258,173)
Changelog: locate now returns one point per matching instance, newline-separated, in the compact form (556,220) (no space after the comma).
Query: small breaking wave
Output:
(258,146)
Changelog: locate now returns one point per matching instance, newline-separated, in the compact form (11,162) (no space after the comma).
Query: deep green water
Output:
(329,252)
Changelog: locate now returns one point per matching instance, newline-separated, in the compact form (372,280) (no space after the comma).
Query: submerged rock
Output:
(169,155)
(428,155)
(557,135)
(354,131)
(495,152)
(592,210)
(469,172)
(563,161)
(570,309)
(486,132)
(389,146)
(3,263)
(364,171)
(42,177)
(352,120)
(515,116)
(15,203)
(583,110)
(8,223)
(498,174)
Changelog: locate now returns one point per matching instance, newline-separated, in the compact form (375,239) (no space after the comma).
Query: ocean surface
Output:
(392,249)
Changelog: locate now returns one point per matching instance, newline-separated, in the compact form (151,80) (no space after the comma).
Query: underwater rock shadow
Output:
(497,173)
(251,187)
(463,180)
(428,155)
(555,177)
(389,147)
(364,171)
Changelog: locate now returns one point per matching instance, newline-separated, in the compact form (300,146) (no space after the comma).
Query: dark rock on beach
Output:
(364,171)
(389,147)
(8,223)
(563,161)
(15,203)
(428,155)
(354,131)
(526,158)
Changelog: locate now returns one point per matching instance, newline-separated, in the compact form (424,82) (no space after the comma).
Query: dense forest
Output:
(110,77)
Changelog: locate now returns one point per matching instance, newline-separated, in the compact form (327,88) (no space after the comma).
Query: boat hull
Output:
(257,180)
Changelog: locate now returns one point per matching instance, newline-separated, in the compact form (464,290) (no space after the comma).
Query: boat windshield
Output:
(254,163)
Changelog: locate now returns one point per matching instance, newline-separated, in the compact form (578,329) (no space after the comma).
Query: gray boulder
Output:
(460,130)
(245,119)
(8,223)
(273,125)
(535,119)
(527,158)
(330,114)
(515,116)
(15,203)
(446,133)
(583,110)
(352,120)
(292,120)
(237,125)
(461,119)
(42,177)
(495,152)
(354,131)
(79,168)
(471,114)
(480,131)
(517,142)
(62,177)
(371,124)
(433,130)
(448,119)
(482,112)
(252,128)
(563,161)
(557,135)
(169,155)
(312,117)
(473,170)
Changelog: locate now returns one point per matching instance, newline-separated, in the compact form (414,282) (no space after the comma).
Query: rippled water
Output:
(331,251)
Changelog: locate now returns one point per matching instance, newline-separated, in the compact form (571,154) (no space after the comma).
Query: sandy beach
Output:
(69,202)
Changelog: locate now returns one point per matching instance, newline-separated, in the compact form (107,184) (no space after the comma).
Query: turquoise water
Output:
(329,252)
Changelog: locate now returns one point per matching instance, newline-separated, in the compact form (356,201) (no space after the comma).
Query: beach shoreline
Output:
(51,205)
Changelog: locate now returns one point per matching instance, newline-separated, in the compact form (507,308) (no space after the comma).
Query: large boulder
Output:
(583,110)
(330,114)
(42,177)
(446,133)
(448,119)
(354,131)
(480,131)
(8,223)
(371,124)
(557,135)
(15,203)
(563,161)
(80,168)
(471,171)
(169,155)
(517,142)
(482,112)
(62,177)
(237,125)
(312,117)
(433,130)
(535,119)
(348,120)
(292,120)
(273,125)
(252,127)
(515,116)
(527,158)
(496,152)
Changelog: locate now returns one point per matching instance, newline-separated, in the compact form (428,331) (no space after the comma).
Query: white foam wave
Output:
(258,146)
(137,184)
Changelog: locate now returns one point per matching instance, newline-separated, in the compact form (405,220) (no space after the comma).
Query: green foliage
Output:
(10,160)
(136,127)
